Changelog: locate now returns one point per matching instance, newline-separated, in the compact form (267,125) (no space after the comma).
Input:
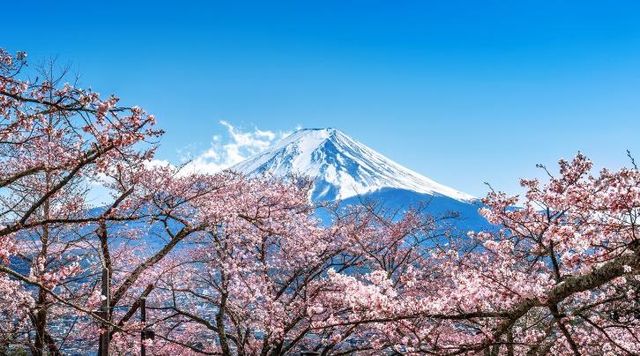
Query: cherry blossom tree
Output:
(260,280)
(560,276)
(56,140)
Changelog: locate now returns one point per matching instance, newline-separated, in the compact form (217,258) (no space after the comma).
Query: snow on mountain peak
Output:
(340,166)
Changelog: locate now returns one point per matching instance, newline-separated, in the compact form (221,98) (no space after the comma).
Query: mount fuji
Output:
(349,172)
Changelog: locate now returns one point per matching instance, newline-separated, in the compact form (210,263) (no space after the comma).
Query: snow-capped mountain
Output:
(340,166)
(346,170)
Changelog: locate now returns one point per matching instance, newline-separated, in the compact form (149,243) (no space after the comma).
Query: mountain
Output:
(348,171)
(341,166)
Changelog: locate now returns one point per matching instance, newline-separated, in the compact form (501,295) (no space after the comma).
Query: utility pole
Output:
(143,319)
(104,312)
(146,332)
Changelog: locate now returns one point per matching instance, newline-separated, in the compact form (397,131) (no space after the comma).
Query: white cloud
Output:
(225,151)
(237,146)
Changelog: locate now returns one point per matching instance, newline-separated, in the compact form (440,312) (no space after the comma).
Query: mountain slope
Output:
(340,166)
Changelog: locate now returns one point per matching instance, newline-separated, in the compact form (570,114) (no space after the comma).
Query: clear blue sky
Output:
(461,91)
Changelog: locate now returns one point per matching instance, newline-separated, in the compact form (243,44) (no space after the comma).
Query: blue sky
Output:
(461,91)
